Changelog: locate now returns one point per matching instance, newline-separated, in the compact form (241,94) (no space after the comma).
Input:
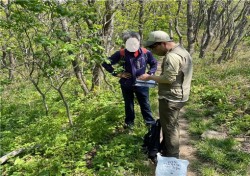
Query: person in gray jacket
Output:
(174,85)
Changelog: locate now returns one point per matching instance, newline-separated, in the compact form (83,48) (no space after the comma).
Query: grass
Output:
(97,143)
(220,101)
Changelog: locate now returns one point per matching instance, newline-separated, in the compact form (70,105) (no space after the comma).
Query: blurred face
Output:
(158,49)
(132,44)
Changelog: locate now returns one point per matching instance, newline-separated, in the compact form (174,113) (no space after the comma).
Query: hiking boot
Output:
(129,126)
(149,125)
(154,160)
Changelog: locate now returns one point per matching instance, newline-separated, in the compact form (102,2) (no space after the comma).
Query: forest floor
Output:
(187,150)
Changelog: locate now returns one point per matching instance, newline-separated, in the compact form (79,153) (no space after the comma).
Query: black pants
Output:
(142,95)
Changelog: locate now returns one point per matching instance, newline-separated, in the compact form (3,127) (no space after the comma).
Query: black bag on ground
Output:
(151,142)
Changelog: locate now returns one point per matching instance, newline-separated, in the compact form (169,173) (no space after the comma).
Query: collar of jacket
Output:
(137,53)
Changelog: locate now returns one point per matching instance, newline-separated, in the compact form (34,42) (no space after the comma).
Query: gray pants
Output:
(169,115)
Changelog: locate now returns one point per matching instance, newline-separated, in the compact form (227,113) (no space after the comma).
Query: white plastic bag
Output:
(170,166)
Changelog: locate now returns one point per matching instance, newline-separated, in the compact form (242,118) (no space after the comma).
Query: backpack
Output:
(151,141)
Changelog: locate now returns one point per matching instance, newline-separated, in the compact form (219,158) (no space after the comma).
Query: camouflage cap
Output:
(157,36)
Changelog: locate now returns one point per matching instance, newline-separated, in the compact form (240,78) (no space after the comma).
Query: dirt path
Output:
(187,151)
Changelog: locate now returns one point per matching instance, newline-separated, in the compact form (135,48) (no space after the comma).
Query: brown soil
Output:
(187,150)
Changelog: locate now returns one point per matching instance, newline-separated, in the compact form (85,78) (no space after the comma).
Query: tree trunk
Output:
(14,153)
(108,29)
(66,106)
(176,22)
(4,56)
(79,76)
(140,24)
(12,65)
(199,20)
(226,26)
(96,81)
(190,27)
(170,23)
(212,21)
(75,64)
(239,32)
(208,33)
(43,95)
(59,90)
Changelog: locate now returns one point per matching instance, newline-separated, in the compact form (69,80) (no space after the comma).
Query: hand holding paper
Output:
(144,77)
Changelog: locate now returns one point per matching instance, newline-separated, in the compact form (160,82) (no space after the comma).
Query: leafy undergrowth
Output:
(220,102)
(97,144)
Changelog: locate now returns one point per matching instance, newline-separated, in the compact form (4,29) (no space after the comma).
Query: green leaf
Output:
(19,161)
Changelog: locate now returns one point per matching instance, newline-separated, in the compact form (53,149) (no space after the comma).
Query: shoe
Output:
(154,160)
(149,124)
(129,126)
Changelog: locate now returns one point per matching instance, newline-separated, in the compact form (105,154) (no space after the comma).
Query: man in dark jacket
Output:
(134,62)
